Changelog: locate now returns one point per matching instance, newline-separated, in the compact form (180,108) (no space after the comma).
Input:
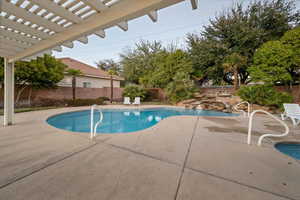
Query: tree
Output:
(109,64)
(112,68)
(271,63)
(74,73)
(273,17)
(232,64)
(167,65)
(278,61)
(139,61)
(44,72)
(111,73)
(154,66)
(239,30)
(291,39)
(207,57)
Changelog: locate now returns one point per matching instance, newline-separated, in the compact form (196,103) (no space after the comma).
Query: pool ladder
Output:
(287,130)
(93,129)
(239,110)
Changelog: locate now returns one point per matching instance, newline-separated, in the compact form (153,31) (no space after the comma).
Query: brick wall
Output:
(295,91)
(81,93)
(66,93)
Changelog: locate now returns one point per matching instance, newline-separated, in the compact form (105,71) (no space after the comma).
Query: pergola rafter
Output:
(23,28)
(44,25)
(19,12)
(31,28)
(13,43)
(95,4)
(58,10)
(17,36)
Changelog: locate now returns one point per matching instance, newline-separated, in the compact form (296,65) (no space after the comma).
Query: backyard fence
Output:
(60,93)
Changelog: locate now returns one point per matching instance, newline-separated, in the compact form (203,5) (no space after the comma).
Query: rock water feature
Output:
(222,102)
(217,102)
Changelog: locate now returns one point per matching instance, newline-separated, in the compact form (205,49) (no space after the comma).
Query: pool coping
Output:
(125,108)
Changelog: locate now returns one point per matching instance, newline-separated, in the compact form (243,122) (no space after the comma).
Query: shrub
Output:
(264,95)
(84,102)
(181,88)
(133,91)
(46,102)
(104,98)
(68,102)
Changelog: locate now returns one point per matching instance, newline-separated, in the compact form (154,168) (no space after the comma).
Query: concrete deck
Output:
(184,157)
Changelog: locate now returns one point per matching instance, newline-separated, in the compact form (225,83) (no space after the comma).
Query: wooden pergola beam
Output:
(123,11)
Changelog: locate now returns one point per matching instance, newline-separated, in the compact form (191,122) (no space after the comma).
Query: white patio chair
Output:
(291,111)
(126,101)
(137,101)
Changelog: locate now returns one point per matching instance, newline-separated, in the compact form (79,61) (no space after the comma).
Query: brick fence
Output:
(81,93)
(61,93)
(66,93)
(295,91)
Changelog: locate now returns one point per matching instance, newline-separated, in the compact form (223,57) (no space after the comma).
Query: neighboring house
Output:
(91,77)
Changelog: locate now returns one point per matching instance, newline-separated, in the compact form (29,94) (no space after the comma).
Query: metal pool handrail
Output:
(287,130)
(93,128)
(244,113)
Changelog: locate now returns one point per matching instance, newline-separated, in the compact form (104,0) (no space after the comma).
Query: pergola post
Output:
(8,92)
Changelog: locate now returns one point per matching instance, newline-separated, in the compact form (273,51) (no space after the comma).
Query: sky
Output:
(173,24)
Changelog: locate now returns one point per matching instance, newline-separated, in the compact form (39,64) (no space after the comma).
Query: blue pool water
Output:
(122,120)
(290,149)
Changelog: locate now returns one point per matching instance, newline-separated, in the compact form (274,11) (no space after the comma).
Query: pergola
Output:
(31,28)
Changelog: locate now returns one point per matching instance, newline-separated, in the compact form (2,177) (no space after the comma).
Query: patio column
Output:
(8,92)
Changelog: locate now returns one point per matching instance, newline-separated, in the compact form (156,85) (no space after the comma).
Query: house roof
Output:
(86,69)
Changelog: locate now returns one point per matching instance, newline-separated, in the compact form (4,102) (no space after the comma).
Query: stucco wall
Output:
(95,82)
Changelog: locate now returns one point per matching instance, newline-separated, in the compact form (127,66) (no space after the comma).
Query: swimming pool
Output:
(289,148)
(122,120)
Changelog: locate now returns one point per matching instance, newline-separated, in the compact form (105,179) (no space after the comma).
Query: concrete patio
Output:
(179,158)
